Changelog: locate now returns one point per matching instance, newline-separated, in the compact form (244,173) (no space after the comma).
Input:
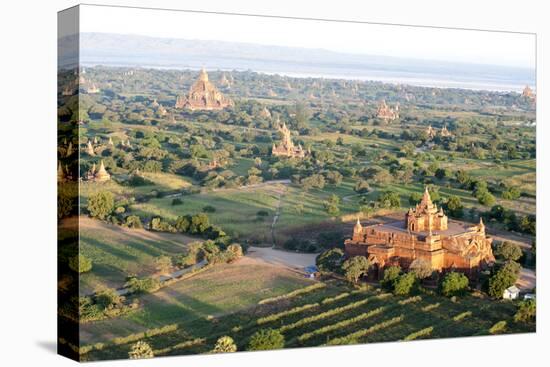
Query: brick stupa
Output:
(203,95)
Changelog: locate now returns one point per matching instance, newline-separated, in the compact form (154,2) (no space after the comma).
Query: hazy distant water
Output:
(149,52)
(478,78)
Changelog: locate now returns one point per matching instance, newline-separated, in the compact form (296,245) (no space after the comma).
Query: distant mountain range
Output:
(142,51)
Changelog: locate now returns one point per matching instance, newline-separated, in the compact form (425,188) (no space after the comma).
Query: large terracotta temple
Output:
(427,234)
(203,95)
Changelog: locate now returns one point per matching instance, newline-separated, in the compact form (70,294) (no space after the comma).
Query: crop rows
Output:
(335,298)
(354,337)
(410,300)
(294,293)
(430,307)
(462,315)
(186,344)
(324,315)
(341,324)
(420,333)
(292,311)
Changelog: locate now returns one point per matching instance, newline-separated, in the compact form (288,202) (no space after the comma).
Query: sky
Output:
(469,46)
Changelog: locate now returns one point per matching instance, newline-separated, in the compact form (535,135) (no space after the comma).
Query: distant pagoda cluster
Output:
(432,133)
(286,147)
(203,95)
(386,112)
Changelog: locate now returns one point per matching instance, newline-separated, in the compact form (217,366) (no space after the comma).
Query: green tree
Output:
(183,223)
(355,267)
(390,274)
(199,223)
(80,264)
(454,284)
(527,311)
(504,277)
(267,339)
(330,260)
(404,284)
(361,187)
(389,199)
(100,205)
(140,350)
(225,344)
(331,205)
(455,207)
(421,268)
(163,264)
(485,198)
(508,251)
(415,198)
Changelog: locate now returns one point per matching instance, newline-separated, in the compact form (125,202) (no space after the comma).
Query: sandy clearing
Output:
(294,260)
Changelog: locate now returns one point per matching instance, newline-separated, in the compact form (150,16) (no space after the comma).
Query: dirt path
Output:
(294,260)
(527,280)
(277,214)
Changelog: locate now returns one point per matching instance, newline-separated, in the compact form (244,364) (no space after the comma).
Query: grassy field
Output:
(236,209)
(117,252)
(194,302)
(335,314)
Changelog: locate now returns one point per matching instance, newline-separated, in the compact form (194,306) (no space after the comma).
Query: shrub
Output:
(145,285)
(140,350)
(177,201)
(101,205)
(225,344)
(404,284)
(266,339)
(454,284)
(80,264)
(163,264)
(262,213)
(527,311)
(235,250)
(133,221)
(462,315)
(137,180)
(161,225)
(208,209)
(498,328)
